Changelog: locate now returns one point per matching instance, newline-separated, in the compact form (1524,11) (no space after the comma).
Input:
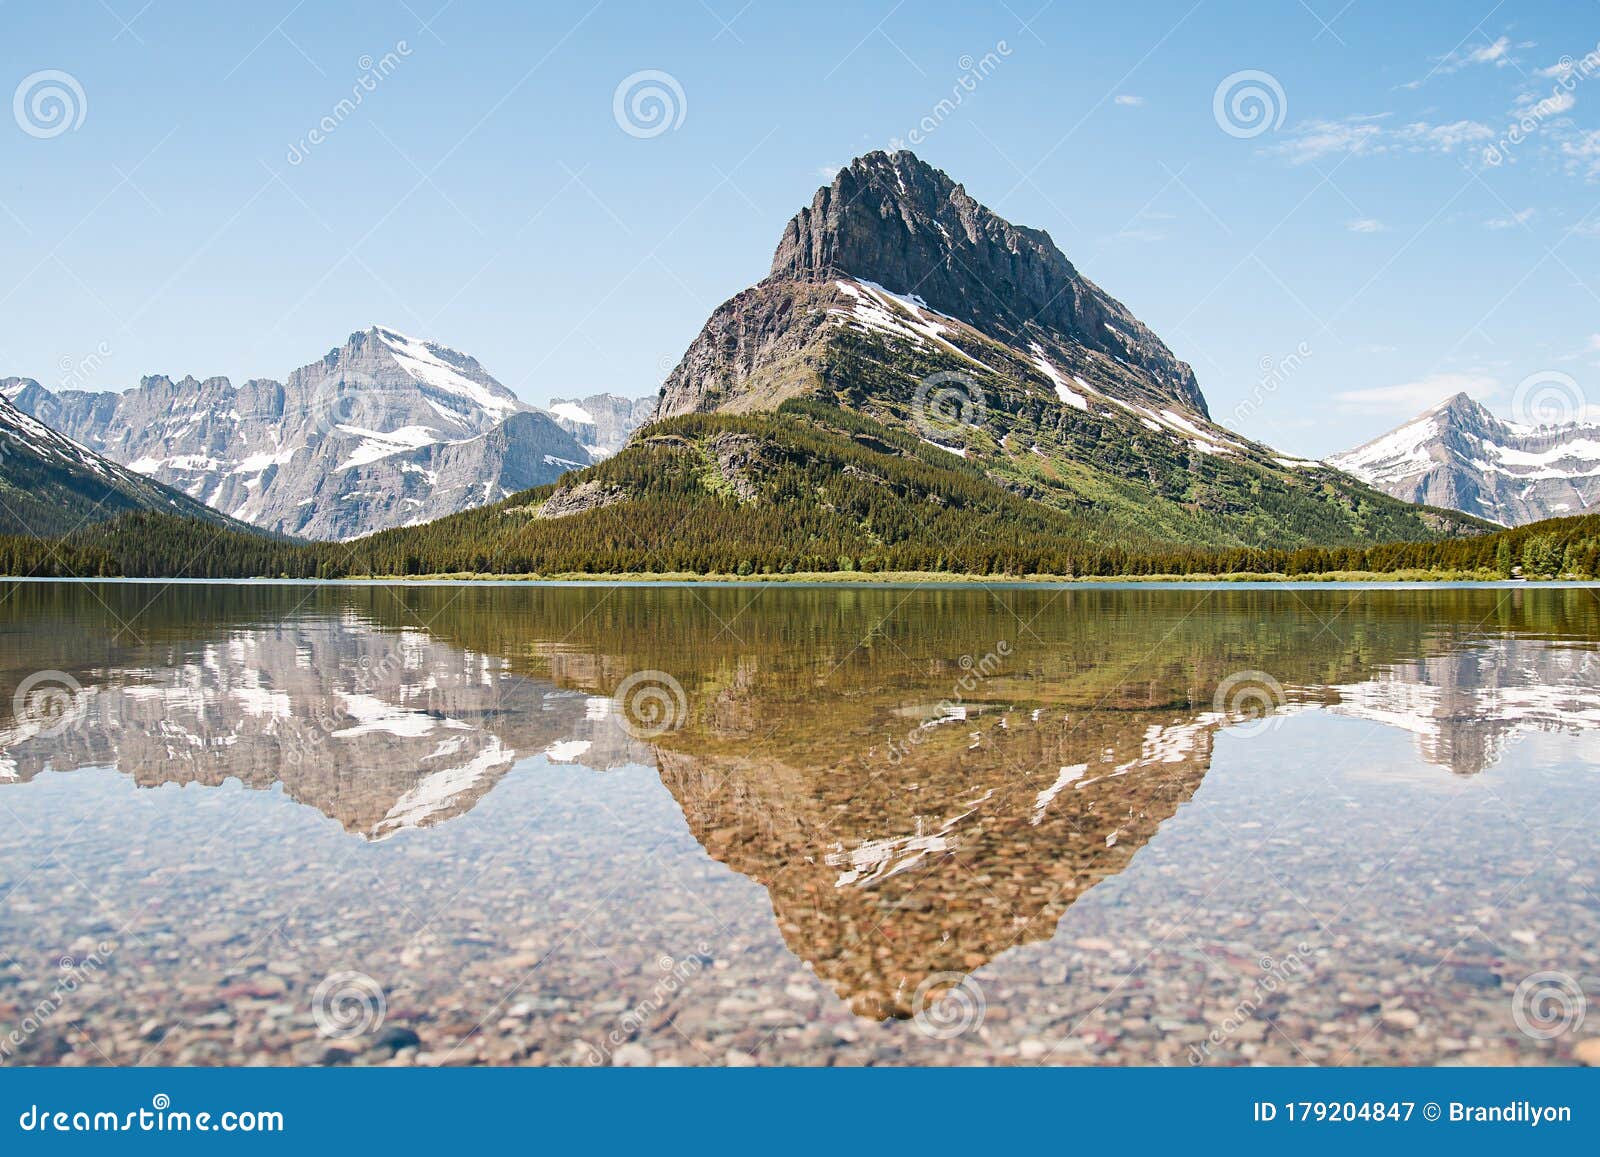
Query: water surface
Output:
(840,825)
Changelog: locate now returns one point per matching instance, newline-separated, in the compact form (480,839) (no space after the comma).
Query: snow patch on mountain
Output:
(1459,455)
(437,365)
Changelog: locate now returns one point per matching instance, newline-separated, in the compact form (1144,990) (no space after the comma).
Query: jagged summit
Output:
(894,219)
(891,222)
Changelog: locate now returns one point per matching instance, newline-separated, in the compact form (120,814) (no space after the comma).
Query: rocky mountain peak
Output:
(1464,410)
(894,220)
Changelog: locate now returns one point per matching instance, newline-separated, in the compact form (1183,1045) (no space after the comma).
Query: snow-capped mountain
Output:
(386,430)
(602,422)
(50,485)
(1459,455)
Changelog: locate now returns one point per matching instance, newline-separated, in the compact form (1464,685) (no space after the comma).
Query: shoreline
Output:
(1368,579)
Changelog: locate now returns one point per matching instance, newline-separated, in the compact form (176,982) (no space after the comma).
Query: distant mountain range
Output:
(51,485)
(384,431)
(1460,455)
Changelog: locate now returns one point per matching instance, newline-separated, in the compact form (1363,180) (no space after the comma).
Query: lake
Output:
(577,825)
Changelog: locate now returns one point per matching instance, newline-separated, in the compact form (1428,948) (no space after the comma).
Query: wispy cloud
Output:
(1553,104)
(1581,154)
(1368,134)
(1511,220)
(1316,139)
(1420,136)
(1407,398)
(1366,225)
(1129,99)
(1498,53)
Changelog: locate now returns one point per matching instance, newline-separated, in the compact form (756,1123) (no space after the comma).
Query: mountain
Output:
(1461,456)
(894,260)
(383,431)
(896,296)
(50,485)
(602,422)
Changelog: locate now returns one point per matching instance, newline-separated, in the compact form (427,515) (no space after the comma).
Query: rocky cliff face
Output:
(383,431)
(1460,456)
(893,222)
(602,422)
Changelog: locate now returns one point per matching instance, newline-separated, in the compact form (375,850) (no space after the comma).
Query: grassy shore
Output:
(1403,576)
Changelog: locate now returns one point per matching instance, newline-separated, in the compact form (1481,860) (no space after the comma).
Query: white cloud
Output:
(1497,53)
(1581,153)
(1567,65)
(1407,398)
(1511,220)
(1420,136)
(1594,343)
(1366,225)
(828,172)
(1129,99)
(1366,134)
(1556,103)
(1313,140)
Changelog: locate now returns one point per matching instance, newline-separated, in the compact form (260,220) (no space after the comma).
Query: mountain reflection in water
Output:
(920,779)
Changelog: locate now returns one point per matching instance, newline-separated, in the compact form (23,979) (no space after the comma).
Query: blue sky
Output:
(1358,258)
